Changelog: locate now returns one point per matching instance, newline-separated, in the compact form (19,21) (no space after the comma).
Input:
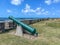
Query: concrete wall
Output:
(6,25)
(2,27)
(11,25)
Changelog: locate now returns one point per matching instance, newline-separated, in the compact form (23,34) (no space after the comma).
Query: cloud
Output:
(56,1)
(16,2)
(46,12)
(38,10)
(48,2)
(27,9)
(9,11)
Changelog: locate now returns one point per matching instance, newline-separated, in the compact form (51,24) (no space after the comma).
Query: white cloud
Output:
(27,6)
(38,10)
(56,1)
(27,9)
(16,2)
(9,11)
(48,2)
(46,12)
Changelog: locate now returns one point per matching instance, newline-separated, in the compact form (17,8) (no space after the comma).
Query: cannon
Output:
(24,26)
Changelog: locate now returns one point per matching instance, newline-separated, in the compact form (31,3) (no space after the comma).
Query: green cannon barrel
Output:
(24,26)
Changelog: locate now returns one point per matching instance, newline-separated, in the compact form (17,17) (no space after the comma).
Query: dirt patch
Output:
(25,35)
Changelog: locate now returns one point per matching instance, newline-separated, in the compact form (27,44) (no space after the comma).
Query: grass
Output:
(54,24)
(49,34)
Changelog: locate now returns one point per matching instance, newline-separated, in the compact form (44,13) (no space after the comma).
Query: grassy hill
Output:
(49,34)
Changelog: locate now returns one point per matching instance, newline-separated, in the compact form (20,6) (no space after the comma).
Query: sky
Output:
(30,8)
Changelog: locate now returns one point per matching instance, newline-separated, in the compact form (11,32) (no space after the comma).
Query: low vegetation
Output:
(49,34)
(54,24)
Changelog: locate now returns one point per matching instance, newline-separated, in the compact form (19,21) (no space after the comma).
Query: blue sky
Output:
(30,8)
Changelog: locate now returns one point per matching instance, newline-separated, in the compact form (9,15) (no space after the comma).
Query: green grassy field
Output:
(49,34)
